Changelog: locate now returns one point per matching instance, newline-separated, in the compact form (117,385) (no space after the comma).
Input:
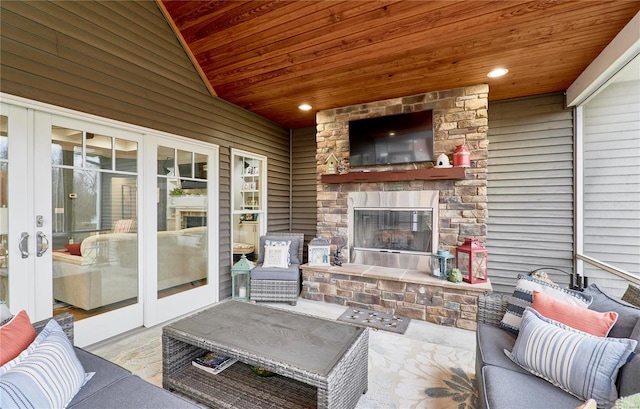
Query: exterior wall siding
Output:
(304,206)
(530,188)
(121,60)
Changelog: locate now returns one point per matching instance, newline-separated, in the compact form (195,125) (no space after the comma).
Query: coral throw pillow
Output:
(589,321)
(15,336)
(73,249)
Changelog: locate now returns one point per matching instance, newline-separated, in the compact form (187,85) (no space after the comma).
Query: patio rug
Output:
(377,320)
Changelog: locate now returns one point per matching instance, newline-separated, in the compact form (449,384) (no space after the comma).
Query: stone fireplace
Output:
(459,117)
(460,211)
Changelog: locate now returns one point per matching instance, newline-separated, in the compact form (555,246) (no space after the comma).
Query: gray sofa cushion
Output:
(491,343)
(106,373)
(133,392)
(505,389)
(291,273)
(628,315)
(629,375)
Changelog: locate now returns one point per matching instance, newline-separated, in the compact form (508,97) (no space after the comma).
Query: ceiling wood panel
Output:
(270,56)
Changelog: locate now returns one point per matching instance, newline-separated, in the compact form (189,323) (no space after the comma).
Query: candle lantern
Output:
(441,264)
(471,260)
(241,279)
(461,156)
(319,249)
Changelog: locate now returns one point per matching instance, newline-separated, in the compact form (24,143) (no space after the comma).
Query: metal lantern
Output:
(241,279)
(319,249)
(442,263)
(471,260)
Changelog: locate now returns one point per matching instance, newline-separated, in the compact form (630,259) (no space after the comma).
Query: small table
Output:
(321,363)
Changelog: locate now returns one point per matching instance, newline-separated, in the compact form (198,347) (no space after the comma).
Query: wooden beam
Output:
(396,175)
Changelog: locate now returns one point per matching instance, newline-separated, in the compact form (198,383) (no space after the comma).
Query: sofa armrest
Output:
(491,307)
(65,320)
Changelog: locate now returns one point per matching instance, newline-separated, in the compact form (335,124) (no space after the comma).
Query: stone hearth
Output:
(410,293)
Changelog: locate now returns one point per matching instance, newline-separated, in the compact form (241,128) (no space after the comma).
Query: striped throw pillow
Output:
(49,376)
(583,365)
(522,298)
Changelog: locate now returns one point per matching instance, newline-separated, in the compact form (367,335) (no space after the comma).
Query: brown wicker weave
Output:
(632,295)
(266,333)
(279,290)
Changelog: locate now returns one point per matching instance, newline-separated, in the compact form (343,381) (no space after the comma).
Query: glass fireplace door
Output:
(393,230)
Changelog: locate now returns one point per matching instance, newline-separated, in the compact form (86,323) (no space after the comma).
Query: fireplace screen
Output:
(393,229)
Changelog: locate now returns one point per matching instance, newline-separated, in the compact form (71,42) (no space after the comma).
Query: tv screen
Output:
(391,139)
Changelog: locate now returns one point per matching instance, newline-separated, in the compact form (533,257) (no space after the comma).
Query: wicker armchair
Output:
(491,307)
(278,285)
(632,295)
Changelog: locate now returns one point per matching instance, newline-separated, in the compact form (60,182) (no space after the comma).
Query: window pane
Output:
(201,166)
(99,151)
(4,137)
(126,155)
(185,163)
(182,232)
(166,161)
(66,146)
(95,240)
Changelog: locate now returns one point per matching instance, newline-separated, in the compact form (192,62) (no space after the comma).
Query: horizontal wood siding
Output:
(611,152)
(304,199)
(530,188)
(121,60)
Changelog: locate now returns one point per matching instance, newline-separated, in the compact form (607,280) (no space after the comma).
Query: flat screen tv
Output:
(391,139)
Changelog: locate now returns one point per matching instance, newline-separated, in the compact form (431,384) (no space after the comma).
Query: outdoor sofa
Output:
(111,386)
(503,384)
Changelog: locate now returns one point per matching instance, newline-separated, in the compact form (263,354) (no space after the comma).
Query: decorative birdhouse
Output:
(241,279)
(471,260)
(331,165)
(319,249)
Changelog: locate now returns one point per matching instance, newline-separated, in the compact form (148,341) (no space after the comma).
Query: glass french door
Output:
(16,269)
(182,179)
(90,221)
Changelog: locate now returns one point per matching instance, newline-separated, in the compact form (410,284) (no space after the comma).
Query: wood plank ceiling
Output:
(271,56)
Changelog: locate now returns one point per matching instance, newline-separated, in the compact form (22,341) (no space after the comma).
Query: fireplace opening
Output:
(393,229)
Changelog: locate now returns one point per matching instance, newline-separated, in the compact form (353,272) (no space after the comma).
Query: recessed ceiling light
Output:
(498,72)
(304,107)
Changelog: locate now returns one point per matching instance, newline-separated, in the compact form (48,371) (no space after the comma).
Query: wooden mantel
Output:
(396,175)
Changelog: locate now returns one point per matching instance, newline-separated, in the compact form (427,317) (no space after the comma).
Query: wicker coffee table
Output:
(319,363)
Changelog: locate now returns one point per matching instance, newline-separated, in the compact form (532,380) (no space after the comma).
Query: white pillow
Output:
(281,243)
(276,256)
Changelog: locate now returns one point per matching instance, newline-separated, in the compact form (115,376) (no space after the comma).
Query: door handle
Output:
(23,244)
(42,243)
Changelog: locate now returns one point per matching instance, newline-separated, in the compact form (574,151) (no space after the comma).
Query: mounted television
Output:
(385,140)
